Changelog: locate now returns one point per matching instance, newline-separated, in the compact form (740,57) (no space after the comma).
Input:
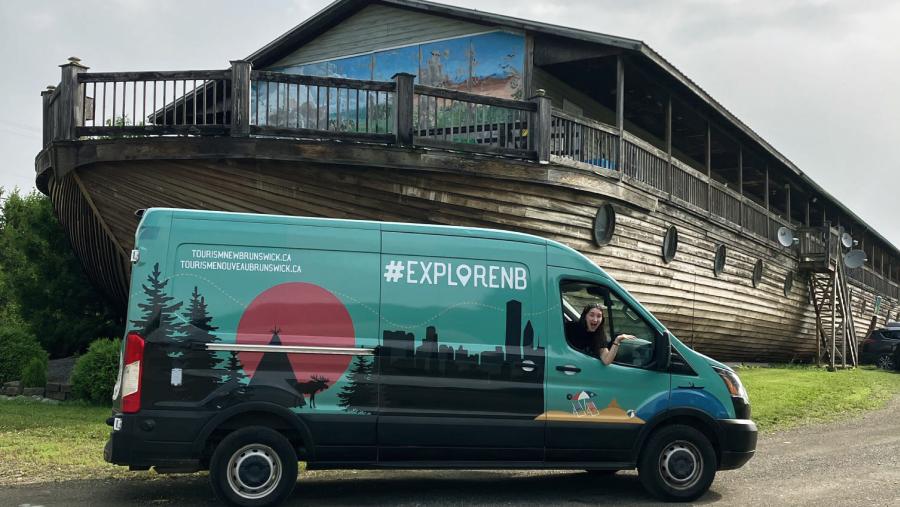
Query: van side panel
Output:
(462,362)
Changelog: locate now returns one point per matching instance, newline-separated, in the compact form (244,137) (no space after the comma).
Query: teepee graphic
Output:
(274,367)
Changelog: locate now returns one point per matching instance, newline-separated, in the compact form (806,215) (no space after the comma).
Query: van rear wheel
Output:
(678,464)
(253,467)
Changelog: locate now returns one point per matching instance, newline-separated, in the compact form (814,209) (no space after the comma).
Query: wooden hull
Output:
(723,316)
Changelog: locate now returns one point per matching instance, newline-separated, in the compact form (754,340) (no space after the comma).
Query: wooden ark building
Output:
(404,110)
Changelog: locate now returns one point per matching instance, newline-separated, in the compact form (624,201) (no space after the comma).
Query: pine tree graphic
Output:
(158,326)
(198,362)
(234,369)
(158,322)
(360,394)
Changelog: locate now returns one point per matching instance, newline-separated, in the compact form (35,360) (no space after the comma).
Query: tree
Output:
(158,321)
(43,283)
(199,330)
(234,369)
(158,327)
(359,394)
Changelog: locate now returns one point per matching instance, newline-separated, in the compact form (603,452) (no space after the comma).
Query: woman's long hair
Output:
(598,336)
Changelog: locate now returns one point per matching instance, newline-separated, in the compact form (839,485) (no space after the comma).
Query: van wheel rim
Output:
(254,471)
(681,465)
(886,362)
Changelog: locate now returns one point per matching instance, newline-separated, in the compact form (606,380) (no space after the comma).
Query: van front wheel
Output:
(678,464)
(253,467)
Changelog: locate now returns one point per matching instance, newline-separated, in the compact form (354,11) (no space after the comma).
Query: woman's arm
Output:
(608,355)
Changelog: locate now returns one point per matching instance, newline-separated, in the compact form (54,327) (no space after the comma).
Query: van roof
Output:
(445,230)
(558,254)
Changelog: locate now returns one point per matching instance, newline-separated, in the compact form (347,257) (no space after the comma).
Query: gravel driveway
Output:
(852,462)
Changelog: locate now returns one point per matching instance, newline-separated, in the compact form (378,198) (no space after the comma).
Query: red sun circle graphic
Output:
(303,314)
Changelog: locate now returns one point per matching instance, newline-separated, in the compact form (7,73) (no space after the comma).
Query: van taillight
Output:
(131,374)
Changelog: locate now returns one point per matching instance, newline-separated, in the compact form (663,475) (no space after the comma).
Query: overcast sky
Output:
(818,79)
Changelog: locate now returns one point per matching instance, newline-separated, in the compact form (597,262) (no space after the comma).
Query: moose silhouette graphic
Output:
(315,384)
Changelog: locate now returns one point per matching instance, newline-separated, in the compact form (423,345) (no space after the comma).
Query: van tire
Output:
(678,464)
(254,466)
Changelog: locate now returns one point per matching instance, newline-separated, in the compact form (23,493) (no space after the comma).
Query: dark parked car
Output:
(880,346)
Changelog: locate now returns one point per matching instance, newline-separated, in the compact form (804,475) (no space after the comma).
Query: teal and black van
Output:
(257,341)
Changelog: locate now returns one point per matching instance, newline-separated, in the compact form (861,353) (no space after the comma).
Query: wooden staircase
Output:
(837,343)
(820,258)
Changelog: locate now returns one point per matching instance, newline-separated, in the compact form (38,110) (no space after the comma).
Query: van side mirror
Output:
(662,352)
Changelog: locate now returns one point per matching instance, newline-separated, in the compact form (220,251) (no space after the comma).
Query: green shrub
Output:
(35,372)
(95,372)
(17,348)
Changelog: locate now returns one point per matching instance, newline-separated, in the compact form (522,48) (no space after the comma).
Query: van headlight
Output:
(733,383)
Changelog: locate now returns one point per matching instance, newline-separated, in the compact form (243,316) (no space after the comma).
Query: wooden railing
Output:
(310,106)
(581,140)
(689,185)
(756,218)
(153,103)
(643,162)
(242,102)
(875,281)
(454,119)
(819,246)
(724,203)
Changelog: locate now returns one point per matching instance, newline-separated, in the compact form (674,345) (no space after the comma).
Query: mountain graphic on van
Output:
(613,413)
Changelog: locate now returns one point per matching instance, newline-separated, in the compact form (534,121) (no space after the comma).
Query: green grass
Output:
(41,442)
(788,397)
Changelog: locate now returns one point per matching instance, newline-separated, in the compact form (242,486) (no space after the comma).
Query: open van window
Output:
(618,319)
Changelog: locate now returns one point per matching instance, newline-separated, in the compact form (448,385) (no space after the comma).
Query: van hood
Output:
(712,362)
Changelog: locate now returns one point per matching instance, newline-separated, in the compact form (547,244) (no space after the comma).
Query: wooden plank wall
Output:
(378,27)
(723,316)
(100,255)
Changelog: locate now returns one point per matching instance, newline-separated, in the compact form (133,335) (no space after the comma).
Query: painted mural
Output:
(487,64)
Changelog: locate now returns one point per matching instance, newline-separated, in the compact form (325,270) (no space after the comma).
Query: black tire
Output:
(253,466)
(678,464)
(886,362)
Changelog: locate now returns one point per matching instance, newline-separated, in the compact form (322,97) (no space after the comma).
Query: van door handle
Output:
(527,365)
(569,369)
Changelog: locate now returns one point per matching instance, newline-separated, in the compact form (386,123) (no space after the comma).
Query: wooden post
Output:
(671,175)
(620,114)
(708,169)
(540,126)
(768,212)
(70,110)
(529,65)
(48,120)
(787,203)
(834,290)
(240,98)
(819,332)
(741,182)
(403,108)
